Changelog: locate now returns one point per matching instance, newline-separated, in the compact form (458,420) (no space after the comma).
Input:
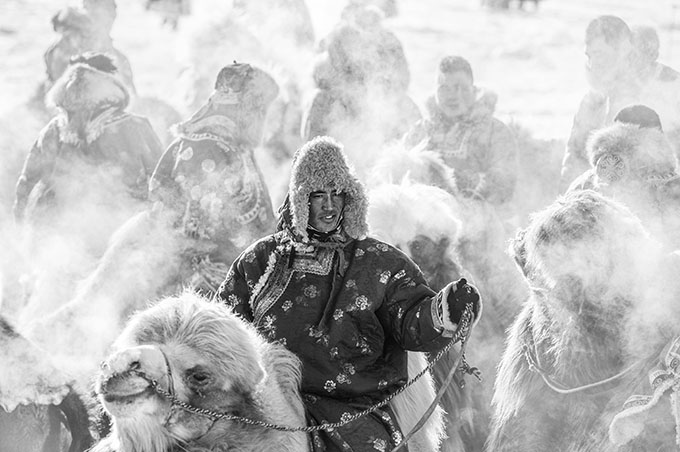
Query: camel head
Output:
(199,352)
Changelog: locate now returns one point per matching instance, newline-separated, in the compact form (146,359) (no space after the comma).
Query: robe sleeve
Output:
(37,166)
(243,276)
(411,311)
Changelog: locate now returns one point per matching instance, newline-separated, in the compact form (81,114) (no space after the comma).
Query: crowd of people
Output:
(349,285)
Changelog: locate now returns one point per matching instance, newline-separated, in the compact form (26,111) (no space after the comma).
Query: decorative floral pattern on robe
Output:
(349,310)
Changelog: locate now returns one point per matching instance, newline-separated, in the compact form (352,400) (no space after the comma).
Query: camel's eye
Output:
(198,377)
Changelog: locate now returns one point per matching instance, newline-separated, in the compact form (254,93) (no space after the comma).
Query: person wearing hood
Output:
(348,305)
(622,70)
(362,78)
(92,129)
(86,29)
(462,128)
(633,161)
(209,177)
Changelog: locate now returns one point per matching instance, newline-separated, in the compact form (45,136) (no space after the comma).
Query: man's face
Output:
(325,209)
(455,93)
(603,61)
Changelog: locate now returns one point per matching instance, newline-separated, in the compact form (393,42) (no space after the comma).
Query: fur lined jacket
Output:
(91,133)
(481,149)
(347,305)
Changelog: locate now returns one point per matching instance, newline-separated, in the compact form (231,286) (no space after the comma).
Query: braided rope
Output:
(531,356)
(461,334)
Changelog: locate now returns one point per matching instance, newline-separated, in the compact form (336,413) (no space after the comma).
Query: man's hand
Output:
(457,295)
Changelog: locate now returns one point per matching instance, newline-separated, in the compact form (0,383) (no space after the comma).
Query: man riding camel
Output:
(348,305)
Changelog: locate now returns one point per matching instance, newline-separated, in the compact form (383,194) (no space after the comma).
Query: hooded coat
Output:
(92,130)
(480,148)
(361,99)
(348,305)
(81,33)
(209,176)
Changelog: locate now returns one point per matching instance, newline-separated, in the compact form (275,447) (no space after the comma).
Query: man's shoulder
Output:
(268,242)
(382,250)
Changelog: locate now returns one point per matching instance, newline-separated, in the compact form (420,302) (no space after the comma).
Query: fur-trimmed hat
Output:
(639,115)
(90,81)
(643,152)
(320,164)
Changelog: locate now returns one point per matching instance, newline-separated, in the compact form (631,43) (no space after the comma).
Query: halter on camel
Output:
(462,334)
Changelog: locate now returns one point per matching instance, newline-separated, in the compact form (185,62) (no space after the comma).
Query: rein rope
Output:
(462,334)
(531,357)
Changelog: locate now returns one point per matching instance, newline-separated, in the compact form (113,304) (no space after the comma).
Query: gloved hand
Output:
(456,296)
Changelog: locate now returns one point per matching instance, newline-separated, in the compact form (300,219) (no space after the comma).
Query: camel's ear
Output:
(253,374)
(518,251)
(259,373)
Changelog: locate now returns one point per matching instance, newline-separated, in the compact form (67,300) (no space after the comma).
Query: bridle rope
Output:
(462,334)
(531,356)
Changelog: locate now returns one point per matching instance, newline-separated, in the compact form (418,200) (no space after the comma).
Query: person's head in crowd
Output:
(456,92)
(609,49)
(364,16)
(238,105)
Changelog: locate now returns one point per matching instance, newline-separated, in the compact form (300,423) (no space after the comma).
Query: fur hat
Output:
(643,152)
(320,164)
(639,115)
(89,82)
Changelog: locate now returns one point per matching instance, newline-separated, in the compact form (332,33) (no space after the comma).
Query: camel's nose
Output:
(144,358)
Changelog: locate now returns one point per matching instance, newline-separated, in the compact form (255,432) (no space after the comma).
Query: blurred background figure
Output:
(170,10)
(208,177)
(86,173)
(85,29)
(361,78)
(622,70)
(88,29)
(505,4)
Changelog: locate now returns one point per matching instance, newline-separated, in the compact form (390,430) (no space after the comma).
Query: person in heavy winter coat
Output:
(461,127)
(92,132)
(348,305)
(209,176)
(86,29)
(362,79)
(622,70)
